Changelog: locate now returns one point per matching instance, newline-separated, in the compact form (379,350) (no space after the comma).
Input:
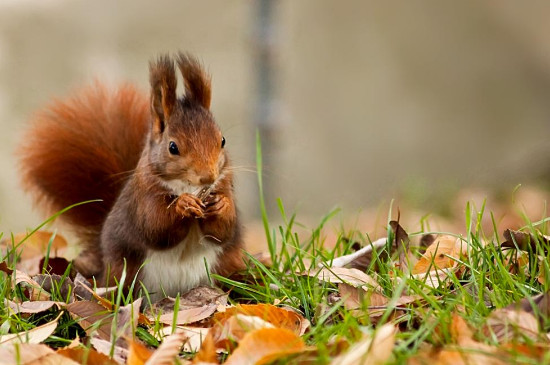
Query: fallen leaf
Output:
(85,291)
(401,243)
(168,351)
(31,354)
(265,345)
(53,283)
(4,267)
(34,245)
(538,305)
(29,250)
(197,304)
(360,259)
(235,328)
(35,335)
(92,317)
(138,354)
(203,295)
(54,265)
(127,318)
(194,336)
(509,324)
(278,317)
(373,348)
(28,307)
(188,315)
(36,291)
(336,275)
(473,351)
(525,241)
(86,355)
(443,253)
(120,354)
(357,299)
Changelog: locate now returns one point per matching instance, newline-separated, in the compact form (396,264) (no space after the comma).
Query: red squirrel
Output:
(161,170)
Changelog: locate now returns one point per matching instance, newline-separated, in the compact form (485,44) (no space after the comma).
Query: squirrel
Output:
(159,166)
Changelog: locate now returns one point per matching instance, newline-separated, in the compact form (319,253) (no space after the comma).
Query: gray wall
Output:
(374,100)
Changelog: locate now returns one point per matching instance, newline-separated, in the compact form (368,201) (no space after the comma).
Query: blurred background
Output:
(357,102)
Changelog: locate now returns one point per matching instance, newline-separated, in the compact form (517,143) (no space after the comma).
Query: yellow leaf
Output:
(138,354)
(91,356)
(441,254)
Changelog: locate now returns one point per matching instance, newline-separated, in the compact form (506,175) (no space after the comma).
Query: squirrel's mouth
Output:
(179,187)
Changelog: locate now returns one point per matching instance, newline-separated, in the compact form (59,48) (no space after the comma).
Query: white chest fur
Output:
(181,268)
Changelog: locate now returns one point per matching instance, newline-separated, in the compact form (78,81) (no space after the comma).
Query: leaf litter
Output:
(372,285)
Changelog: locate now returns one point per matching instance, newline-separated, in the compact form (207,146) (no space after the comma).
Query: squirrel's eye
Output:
(223,141)
(173,148)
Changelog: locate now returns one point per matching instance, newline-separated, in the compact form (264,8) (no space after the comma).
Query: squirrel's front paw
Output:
(216,204)
(189,206)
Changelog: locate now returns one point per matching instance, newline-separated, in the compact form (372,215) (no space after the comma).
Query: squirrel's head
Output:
(186,147)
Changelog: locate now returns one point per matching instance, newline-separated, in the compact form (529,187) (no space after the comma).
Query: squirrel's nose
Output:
(208,179)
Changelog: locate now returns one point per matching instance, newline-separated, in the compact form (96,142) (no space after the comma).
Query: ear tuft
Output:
(162,76)
(197,81)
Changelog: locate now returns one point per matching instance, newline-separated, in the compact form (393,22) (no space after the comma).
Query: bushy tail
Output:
(84,148)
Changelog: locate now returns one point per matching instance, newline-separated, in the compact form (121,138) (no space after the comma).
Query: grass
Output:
(487,282)
(489,278)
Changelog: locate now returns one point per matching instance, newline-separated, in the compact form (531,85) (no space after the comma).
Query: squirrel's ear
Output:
(197,81)
(162,76)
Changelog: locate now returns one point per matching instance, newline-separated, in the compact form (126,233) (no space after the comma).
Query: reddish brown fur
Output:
(197,82)
(88,147)
(82,149)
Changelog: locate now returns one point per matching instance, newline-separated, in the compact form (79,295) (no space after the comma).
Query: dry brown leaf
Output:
(120,354)
(4,267)
(91,356)
(92,317)
(31,307)
(56,283)
(188,315)
(265,345)
(203,295)
(36,291)
(401,243)
(168,350)
(31,354)
(510,324)
(356,298)
(467,351)
(441,254)
(35,244)
(474,352)
(127,318)
(524,241)
(197,304)
(337,275)
(82,287)
(35,335)
(194,336)
(373,348)
(32,250)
